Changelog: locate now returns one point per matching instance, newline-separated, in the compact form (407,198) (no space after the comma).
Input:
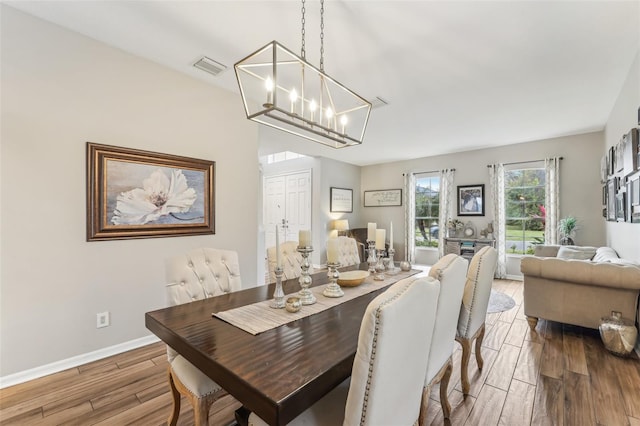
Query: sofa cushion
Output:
(625,262)
(605,254)
(575,252)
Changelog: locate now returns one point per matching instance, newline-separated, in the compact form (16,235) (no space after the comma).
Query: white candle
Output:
(332,250)
(269,86)
(380,236)
(278,260)
(371,231)
(304,238)
(390,235)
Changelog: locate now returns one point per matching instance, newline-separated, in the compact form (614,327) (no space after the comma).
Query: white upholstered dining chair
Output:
(348,252)
(473,310)
(384,388)
(450,270)
(201,273)
(291,261)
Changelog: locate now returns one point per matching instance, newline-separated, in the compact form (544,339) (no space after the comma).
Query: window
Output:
(427,210)
(283,156)
(524,195)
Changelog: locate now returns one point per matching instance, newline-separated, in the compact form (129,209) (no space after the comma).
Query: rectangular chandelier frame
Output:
(282,90)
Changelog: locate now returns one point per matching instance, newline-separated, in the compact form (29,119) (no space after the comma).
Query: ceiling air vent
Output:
(378,102)
(210,66)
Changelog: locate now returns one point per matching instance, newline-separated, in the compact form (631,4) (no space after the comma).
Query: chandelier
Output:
(284,91)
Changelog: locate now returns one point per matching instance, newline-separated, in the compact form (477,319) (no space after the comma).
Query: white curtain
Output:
(496,175)
(446,201)
(410,216)
(551,199)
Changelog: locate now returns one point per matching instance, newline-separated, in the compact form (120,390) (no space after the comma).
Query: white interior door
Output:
(298,205)
(287,203)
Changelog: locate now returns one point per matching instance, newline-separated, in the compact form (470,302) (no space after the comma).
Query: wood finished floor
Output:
(560,375)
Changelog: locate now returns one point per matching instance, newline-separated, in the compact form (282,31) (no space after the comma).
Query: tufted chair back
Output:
(291,261)
(201,273)
(348,251)
(477,291)
(450,270)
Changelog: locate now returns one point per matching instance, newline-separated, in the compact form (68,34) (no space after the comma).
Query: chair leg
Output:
(201,411)
(444,386)
(533,322)
(479,359)
(464,364)
(424,405)
(173,417)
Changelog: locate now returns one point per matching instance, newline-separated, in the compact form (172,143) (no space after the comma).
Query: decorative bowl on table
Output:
(352,278)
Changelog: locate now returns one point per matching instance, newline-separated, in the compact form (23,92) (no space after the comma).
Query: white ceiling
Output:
(458,75)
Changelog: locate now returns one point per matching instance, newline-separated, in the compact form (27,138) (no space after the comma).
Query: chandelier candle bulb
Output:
(343,121)
(312,108)
(269,86)
(332,250)
(304,238)
(293,96)
(380,238)
(278,260)
(371,231)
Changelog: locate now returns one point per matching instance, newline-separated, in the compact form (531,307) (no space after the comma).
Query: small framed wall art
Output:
(383,198)
(471,200)
(341,200)
(141,194)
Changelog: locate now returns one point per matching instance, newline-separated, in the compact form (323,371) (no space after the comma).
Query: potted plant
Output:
(567,228)
(455,227)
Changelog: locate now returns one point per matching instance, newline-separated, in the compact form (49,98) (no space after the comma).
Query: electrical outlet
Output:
(102,319)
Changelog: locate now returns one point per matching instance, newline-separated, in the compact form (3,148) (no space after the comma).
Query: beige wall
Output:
(60,90)
(580,183)
(624,237)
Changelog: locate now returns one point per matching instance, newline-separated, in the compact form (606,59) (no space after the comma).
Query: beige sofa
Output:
(578,285)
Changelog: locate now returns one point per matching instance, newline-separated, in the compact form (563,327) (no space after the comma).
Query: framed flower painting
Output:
(141,194)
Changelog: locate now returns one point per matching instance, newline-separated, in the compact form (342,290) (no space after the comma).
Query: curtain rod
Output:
(429,171)
(522,162)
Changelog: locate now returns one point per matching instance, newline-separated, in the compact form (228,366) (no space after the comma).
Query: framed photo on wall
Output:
(611,199)
(141,194)
(341,200)
(621,207)
(383,198)
(471,200)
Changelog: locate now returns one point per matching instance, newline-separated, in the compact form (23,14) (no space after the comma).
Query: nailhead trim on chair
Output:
(475,288)
(373,348)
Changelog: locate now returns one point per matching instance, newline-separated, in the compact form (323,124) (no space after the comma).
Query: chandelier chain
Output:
(303,52)
(322,35)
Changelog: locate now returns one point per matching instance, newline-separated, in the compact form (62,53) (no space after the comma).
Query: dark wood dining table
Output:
(278,373)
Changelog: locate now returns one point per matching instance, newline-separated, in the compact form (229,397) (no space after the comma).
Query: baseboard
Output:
(65,364)
(515,277)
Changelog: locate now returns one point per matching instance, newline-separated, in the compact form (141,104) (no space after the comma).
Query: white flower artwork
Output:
(159,196)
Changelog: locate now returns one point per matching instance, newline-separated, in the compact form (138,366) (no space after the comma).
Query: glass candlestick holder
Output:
(333,289)
(392,270)
(278,293)
(306,296)
(379,267)
(372,260)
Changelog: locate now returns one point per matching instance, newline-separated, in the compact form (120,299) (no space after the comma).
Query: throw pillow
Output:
(625,262)
(578,253)
(605,254)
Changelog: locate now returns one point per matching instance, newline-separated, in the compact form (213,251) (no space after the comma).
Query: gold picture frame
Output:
(133,193)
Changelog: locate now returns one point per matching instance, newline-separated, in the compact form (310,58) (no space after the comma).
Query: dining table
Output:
(280,372)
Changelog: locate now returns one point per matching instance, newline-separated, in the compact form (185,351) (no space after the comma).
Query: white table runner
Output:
(259,317)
